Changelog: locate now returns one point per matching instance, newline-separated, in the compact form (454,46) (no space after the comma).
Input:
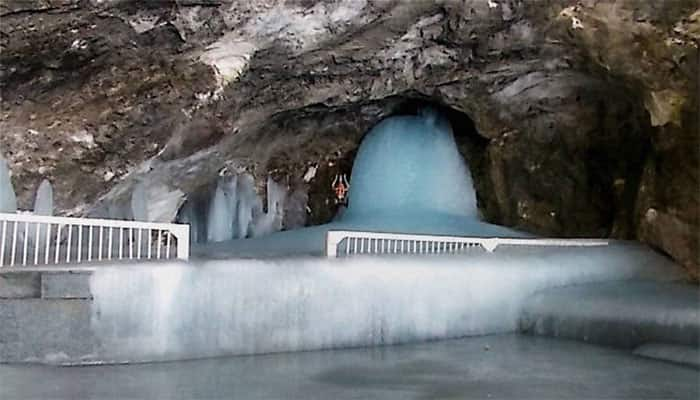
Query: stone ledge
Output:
(62,285)
(22,285)
(47,331)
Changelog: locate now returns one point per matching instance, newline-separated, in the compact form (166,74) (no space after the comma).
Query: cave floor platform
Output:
(499,367)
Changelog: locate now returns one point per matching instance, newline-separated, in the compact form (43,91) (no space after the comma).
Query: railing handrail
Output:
(113,223)
(180,232)
(334,237)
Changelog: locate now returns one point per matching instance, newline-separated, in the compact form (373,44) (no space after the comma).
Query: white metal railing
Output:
(345,243)
(27,239)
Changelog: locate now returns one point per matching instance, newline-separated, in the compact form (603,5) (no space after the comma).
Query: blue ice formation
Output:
(409,177)
(408,166)
(236,211)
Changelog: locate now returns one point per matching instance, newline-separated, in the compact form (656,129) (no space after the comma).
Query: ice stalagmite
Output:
(410,165)
(43,202)
(139,203)
(188,215)
(249,205)
(410,177)
(8,201)
(272,220)
(222,211)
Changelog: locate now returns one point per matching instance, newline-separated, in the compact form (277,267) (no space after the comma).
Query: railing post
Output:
(20,252)
(332,244)
(182,233)
(489,244)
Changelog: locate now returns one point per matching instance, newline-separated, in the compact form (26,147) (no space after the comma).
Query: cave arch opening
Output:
(337,155)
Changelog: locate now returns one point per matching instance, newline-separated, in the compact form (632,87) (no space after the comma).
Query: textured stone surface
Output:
(579,119)
(50,331)
(20,285)
(65,285)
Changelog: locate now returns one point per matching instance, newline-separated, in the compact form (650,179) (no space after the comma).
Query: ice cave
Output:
(349,199)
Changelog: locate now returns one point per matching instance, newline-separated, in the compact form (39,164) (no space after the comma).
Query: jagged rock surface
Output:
(577,120)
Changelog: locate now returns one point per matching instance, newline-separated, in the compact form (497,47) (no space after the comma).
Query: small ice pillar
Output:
(188,215)
(139,202)
(8,200)
(272,220)
(249,205)
(43,202)
(222,211)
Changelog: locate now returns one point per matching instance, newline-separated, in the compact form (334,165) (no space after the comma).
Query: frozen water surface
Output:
(499,367)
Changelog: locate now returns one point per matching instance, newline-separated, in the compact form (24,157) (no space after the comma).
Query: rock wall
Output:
(579,118)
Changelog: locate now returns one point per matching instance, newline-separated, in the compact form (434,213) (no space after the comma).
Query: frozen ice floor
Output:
(503,366)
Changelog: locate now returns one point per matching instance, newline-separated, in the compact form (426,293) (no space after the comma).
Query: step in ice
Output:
(621,314)
(686,355)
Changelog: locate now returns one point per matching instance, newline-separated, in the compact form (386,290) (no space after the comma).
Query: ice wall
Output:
(8,201)
(234,307)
